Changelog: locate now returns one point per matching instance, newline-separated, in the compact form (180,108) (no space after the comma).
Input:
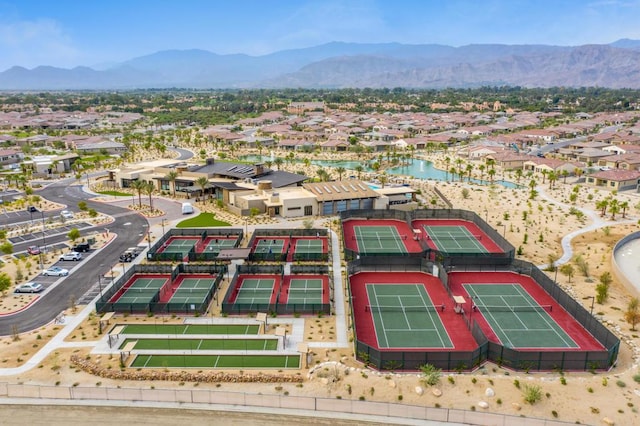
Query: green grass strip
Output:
(202,220)
(217,361)
(191,329)
(204,344)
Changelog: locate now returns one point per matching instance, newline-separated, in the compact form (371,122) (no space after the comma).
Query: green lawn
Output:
(114,193)
(216,361)
(191,329)
(204,344)
(202,220)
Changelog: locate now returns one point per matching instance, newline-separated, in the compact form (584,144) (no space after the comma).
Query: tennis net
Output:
(453,237)
(379,237)
(539,308)
(419,308)
(141,290)
(298,293)
(245,291)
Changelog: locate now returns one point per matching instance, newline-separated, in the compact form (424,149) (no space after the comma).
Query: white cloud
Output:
(33,43)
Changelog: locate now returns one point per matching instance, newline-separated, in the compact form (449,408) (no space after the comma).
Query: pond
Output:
(419,169)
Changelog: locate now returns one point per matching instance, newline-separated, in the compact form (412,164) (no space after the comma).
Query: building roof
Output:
(616,175)
(340,190)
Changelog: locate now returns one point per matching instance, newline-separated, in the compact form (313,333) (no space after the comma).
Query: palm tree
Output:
(359,170)
(171,177)
(602,206)
(564,173)
(614,208)
(149,189)
(469,170)
(552,175)
(139,186)
(624,206)
(482,167)
(383,179)
(278,162)
(340,170)
(518,175)
(491,173)
(202,182)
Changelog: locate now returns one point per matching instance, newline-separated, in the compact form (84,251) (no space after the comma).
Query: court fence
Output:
(192,255)
(210,399)
(277,307)
(542,360)
(153,305)
(441,255)
(438,255)
(547,360)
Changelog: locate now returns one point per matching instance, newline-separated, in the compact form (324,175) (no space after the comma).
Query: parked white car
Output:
(29,288)
(55,271)
(72,255)
(66,214)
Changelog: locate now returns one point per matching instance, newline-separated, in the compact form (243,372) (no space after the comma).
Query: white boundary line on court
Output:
(427,311)
(361,236)
(430,230)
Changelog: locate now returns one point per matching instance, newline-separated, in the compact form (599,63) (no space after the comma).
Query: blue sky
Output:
(67,33)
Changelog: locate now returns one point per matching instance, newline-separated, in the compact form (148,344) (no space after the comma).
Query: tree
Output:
(6,247)
(340,170)
(202,182)
(602,289)
(278,162)
(139,187)
(359,170)
(171,177)
(632,314)
(383,179)
(5,282)
(602,206)
(73,234)
(149,189)
(82,205)
(624,206)
(614,208)
(567,270)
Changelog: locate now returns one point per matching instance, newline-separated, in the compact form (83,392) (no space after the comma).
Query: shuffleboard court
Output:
(216,361)
(516,318)
(379,239)
(187,329)
(405,317)
(203,344)
(454,239)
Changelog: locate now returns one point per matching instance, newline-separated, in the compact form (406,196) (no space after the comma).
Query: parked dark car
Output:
(82,247)
(126,257)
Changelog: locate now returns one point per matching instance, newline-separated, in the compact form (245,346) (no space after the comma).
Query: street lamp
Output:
(44,241)
(162,223)
(246,228)
(593,299)
(149,239)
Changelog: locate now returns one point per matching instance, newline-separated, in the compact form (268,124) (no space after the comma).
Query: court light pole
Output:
(163,223)
(593,299)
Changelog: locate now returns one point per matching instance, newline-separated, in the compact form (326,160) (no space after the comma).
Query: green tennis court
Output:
(203,344)
(181,245)
(304,291)
(177,329)
(256,291)
(454,239)
(379,239)
(216,244)
(147,283)
(308,246)
(516,318)
(196,283)
(269,246)
(404,317)
(216,361)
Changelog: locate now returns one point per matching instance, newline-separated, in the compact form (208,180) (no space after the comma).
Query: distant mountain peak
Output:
(340,64)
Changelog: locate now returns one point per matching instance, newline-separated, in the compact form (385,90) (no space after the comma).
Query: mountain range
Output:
(354,65)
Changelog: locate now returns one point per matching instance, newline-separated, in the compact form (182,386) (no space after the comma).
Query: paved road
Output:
(130,228)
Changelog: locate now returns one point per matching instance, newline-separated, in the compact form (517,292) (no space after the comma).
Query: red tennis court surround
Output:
(473,229)
(581,336)
(169,290)
(454,323)
(403,228)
